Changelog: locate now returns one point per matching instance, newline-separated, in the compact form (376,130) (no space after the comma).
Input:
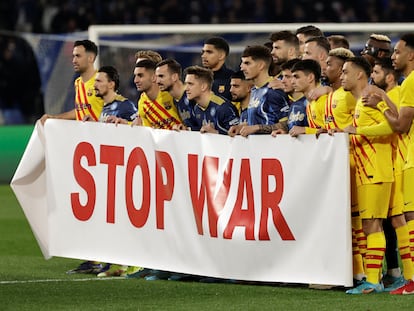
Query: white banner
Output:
(261,208)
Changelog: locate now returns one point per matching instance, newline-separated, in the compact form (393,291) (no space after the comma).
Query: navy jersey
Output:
(221,82)
(185,109)
(121,107)
(297,113)
(267,106)
(219,112)
(243,116)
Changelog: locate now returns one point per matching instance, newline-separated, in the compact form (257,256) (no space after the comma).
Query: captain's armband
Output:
(382,106)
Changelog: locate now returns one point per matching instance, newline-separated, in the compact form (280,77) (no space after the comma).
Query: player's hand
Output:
(180,127)
(371,96)
(137,121)
(208,127)
(278,132)
(276,84)
(246,130)
(235,129)
(87,117)
(318,92)
(295,131)
(45,117)
(350,129)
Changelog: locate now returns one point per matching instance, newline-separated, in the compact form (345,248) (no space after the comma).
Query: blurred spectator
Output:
(59,16)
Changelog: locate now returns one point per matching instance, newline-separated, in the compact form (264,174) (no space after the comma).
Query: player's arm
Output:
(68,115)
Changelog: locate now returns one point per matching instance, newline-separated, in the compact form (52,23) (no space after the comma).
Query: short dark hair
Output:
(88,45)
(320,41)
(147,64)
(288,65)
(308,66)
(408,38)
(219,43)
(339,41)
(285,35)
(309,31)
(173,65)
(362,63)
(258,52)
(238,75)
(112,75)
(204,74)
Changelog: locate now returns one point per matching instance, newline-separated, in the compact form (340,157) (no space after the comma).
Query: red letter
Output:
(271,200)
(163,191)
(112,156)
(138,217)
(243,217)
(85,180)
(208,185)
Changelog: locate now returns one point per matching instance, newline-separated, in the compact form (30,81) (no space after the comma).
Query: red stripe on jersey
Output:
(312,124)
(150,112)
(87,105)
(165,111)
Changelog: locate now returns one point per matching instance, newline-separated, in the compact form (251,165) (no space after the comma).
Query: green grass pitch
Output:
(29,282)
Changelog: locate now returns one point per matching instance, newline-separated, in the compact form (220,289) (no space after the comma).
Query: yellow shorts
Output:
(374,200)
(408,190)
(397,196)
(354,200)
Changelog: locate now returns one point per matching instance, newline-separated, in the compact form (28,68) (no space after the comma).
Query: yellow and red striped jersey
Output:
(86,103)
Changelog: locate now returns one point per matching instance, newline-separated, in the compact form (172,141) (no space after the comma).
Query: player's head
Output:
(377,46)
(286,73)
(383,73)
(316,48)
(198,81)
(285,46)
(214,52)
(355,71)
(84,55)
(239,86)
(107,79)
(144,75)
(306,32)
(168,72)
(334,63)
(255,59)
(403,56)
(338,41)
(306,75)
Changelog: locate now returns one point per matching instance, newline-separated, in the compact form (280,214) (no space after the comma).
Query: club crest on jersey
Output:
(213,111)
(167,105)
(90,92)
(334,104)
(221,88)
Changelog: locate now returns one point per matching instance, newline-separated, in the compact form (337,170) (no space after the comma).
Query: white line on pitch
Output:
(61,280)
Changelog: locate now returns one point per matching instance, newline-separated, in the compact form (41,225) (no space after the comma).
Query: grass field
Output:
(29,282)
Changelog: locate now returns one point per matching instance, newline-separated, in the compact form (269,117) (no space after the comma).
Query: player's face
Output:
(401,55)
(349,76)
(311,51)
(80,59)
(333,69)
(102,84)
(280,52)
(302,39)
(210,56)
(164,78)
(143,79)
(239,89)
(193,87)
(287,78)
(378,77)
(250,67)
(300,81)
